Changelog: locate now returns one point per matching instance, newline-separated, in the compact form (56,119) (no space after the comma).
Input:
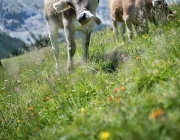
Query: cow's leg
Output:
(123,31)
(53,35)
(129,29)
(85,42)
(115,30)
(71,46)
(128,26)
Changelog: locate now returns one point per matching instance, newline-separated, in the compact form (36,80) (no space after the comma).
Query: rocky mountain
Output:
(22,19)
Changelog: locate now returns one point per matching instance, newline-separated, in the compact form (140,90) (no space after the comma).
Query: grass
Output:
(139,100)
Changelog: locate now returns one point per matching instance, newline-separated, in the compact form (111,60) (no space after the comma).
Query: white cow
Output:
(70,15)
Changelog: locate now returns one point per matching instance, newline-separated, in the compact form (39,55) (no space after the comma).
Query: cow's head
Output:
(83,9)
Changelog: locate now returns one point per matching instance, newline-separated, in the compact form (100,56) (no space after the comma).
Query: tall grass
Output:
(139,99)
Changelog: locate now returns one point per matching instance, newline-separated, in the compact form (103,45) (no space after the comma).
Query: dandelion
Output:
(82,109)
(144,36)
(47,98)
(122,88)
(156,113)
(138,57)
(104,135)
(115,90)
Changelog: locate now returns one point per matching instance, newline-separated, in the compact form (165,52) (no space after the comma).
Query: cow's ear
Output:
(61,6)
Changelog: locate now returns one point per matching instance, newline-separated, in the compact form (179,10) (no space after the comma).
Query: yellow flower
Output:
(68,78)
(179,20)
(82,109)
(138,57)
(104,135)
(144,36)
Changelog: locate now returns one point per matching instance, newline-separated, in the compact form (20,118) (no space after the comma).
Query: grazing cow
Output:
(71,15)
(128,12)
(162,12)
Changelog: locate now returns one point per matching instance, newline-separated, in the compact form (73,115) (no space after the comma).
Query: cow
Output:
(72,16)
(162,12)
(128,12)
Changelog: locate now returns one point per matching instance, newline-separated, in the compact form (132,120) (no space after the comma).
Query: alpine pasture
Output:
(137,99)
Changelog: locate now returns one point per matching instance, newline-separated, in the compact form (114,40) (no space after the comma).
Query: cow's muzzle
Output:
(84,17)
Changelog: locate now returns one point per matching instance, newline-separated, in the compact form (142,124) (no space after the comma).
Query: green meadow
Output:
(123,92)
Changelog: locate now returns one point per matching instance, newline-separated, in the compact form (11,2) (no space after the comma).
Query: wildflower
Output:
(144,36)
(109,98)
(82,109)
(68,77)
(138,57)
(122,88)
(115,90)
(47,98)
(30,109)
(156,113)
(117,100)
(104,135)
(179,20)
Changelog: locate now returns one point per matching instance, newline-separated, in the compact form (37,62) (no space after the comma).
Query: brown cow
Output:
(70,15)
(128,12)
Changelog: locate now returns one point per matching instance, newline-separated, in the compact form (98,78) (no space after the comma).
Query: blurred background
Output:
(22,25)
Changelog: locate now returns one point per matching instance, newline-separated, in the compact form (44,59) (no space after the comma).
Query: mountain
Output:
(24,21)
(9,46)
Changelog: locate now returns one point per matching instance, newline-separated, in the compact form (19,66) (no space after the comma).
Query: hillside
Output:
(128,92)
